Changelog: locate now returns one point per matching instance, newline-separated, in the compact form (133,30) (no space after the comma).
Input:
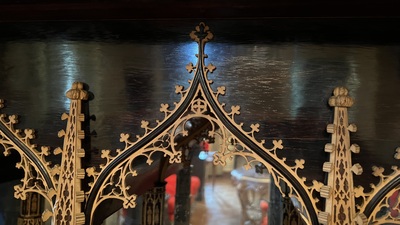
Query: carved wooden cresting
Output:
(61,185)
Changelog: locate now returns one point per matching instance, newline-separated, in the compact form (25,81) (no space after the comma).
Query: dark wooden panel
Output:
(281,72)
(172,9)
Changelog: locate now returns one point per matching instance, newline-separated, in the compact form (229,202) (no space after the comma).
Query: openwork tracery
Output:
(60,185)
(199,100)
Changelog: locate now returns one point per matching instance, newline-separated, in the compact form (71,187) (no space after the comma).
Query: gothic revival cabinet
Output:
(280,101)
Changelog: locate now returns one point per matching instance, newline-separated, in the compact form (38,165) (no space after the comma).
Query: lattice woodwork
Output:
(199,100)
(61,185)
(340,193)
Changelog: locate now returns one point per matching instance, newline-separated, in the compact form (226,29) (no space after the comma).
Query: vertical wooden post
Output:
(68,209)
(339,190)
(182,197)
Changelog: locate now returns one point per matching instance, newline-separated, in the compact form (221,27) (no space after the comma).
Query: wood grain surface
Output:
(280,71)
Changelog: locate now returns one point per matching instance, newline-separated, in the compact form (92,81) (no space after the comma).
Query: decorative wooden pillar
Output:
(153,206)
(182,197)
(68,208)
(30,213)
(339,191)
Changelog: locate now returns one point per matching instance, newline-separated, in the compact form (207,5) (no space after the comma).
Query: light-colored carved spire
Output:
(68,208)
(339,190)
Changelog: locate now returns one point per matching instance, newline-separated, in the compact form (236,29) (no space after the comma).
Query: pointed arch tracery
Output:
(55,183)
(199,100)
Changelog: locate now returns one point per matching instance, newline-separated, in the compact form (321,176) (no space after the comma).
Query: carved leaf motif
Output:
(235,110)
(45,150)
(317,185)
(211,67)
(277,144)
(255,127)
(144,124)
(221,90)
(19,192)
(164,108)
(358,191)
(129,201)
(124,137)
(13,119)
(91,171)
(29,133)
(378,171)
(105,154)
(299,163)
(189,67)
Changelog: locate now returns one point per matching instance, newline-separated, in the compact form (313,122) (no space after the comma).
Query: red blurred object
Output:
(205,146)
(170,189)
(394,204)
(264,212)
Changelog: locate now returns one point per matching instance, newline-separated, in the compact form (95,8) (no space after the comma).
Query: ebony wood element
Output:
(292,93)
(172,9)
(182,197)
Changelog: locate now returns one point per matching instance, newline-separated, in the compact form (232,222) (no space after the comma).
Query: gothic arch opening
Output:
(199,102)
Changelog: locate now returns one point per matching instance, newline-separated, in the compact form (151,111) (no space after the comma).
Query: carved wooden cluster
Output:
(61,184)
(339,191)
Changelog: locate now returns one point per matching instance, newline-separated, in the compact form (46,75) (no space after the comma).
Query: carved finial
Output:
(361,219)
(201,33)
(397,154)
(77,92)
(340,98)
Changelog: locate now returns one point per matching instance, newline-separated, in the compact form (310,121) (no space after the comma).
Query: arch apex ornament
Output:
(61,185)
(340,98)
(199,102)
(201,34)
(77,92)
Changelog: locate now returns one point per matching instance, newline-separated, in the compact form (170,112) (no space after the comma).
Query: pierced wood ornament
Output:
(61,185)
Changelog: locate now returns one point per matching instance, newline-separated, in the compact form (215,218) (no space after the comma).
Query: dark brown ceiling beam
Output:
(188,9)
